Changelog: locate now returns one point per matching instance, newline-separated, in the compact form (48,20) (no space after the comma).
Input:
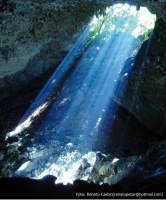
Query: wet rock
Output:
(91,157)
(78,154)
(41,147)
(53,169)
(11,149)
(28,175)
(60,161)
(31,149)
(61,172)
(69,146)
(110,170)
(106,171)
(85,163)
(26,167)
(37,154)
(81,171)
(48,164)
(34,173)
(25,154)
(158,171)
(101,159)
(69,164)
(21,156)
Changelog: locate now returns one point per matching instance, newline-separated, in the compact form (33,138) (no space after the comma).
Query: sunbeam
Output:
(100,78)
(76,99)
(134,95)
(40,102)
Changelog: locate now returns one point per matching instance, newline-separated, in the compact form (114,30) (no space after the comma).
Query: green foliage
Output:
(135,52)
(120,18)
(114,18)
(144,30)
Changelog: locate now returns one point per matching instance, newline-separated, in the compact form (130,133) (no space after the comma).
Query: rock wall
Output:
(35,37)
(157,7)
(147,80)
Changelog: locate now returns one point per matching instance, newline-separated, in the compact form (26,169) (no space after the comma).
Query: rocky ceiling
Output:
(28,26)
(36,35)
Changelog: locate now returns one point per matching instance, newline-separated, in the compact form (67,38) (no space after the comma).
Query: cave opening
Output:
(73,125)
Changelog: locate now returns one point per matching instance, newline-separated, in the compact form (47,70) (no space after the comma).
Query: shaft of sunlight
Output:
(74,119)
(40,101)
(25,124)
(102,57)
(135,92)
(96,87)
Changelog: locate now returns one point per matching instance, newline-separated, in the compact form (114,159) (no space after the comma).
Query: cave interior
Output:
(83,98)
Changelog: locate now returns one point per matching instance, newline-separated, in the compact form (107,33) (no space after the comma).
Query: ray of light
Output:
(82,104)
(101,87)
(41,101)
(25,124)
(135,93)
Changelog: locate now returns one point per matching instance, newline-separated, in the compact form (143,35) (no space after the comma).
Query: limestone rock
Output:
(26,167)
(37,154)
(11,149)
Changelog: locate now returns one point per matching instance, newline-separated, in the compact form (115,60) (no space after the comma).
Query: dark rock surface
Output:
(128,188)
(36,37)
(147,82)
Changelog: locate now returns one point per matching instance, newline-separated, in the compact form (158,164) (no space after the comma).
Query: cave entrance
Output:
(73,116)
